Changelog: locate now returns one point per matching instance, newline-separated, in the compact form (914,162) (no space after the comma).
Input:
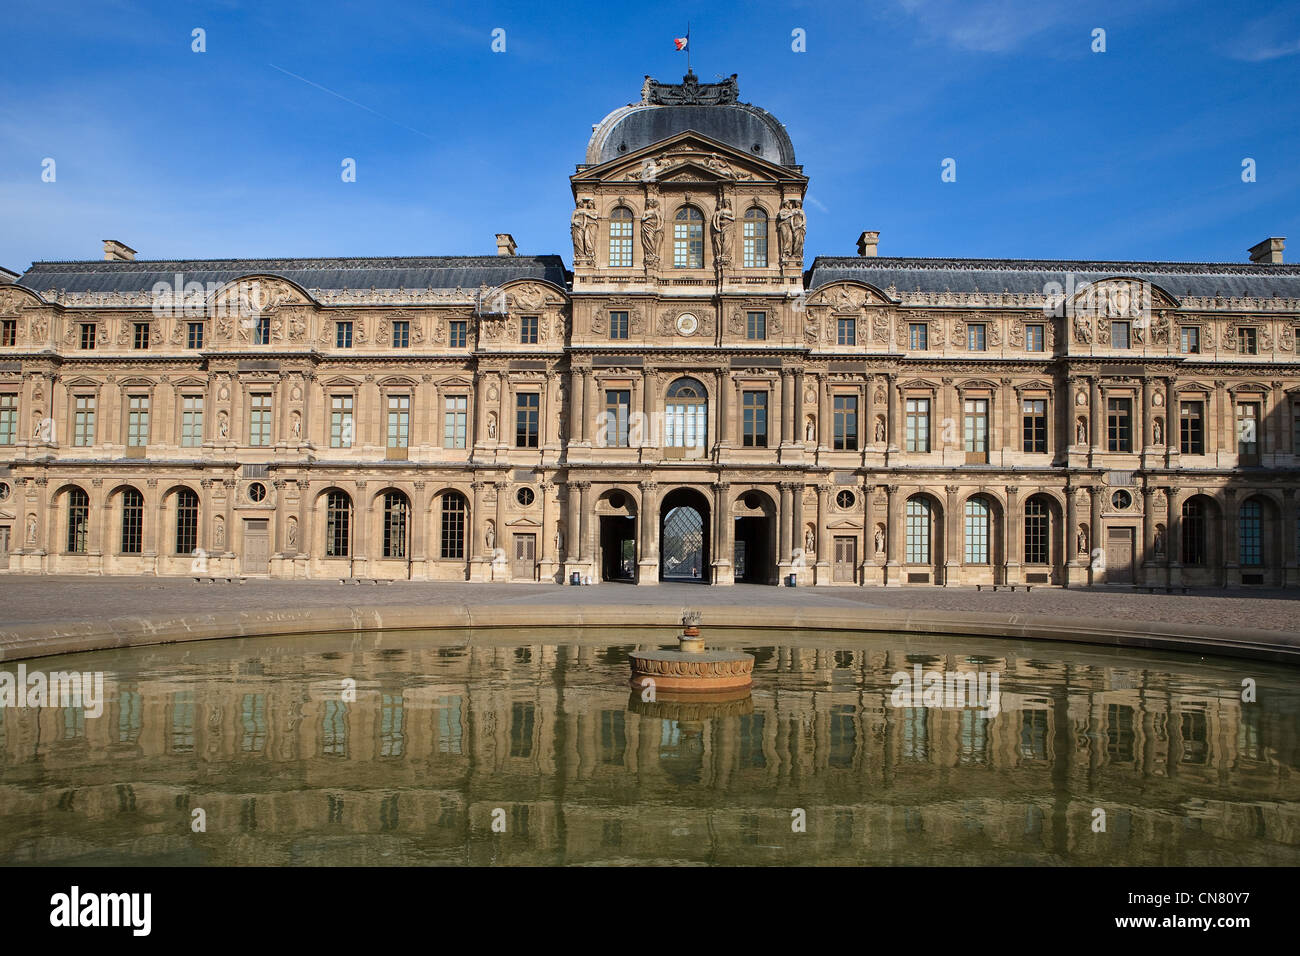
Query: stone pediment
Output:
(848,296)
(687,157)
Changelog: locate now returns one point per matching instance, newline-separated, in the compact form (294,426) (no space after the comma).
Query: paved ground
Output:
(32,599)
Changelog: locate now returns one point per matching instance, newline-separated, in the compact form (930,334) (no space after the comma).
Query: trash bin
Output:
(790,580)
(575,578)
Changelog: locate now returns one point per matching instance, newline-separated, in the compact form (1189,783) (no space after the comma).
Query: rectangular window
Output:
(1189,339)
(918,336)
(977,426)
(618,406)
(8,332)
(1035,425)
(846,331)
(1191,428)
(977,533)
(528,330)
(755,240)
(83,423)
(975,338)
(1119,424)
(1119,335)
(78,521)
(401,334)
(343,334)
(846,422)
(8,418)
(87,335)
(1247,343)
(620,239)
(688,239)
(132,521)
(137,421)
(917,529)
(917,425)
(455,420)
(618,325)
(756,326)
(194,337)
(259,419)
(754,415)
(399,421)
(263,336)
(341,424)
(1034,338)
(1248,431)
(459,333)
(191,421)
(527,407)
(142,335)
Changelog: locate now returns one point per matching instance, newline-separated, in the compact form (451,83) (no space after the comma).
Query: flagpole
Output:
(688,46)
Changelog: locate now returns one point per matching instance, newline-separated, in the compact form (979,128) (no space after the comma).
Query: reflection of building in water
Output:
(412,770)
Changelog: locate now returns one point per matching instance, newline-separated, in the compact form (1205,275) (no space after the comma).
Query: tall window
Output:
(977,426)
(618,406)
(1119,335)
(755,250)
(846,331)
(455,420)
(191,421)
(396,509)
(528,330)
(399,421)
(78,521)
(1119,424)
(620,237)
(846,423)
(756,326)
(688,239)
(918,531)
(754,414)
(8,332)
(401,334)
(1195,532)
(8,418)
(83,421)
(1037,523)
(187,521)
(917,434)
(132,521)
(263,336)
(977,531)
(194,335)
(1247,342)
(137,421)
(618,325)
(454,511)
(87,335)
(1034,338)
(458,330)
(338,524)
(527,409)
(1189,339)
(259,419)
(975,337)
(918,336)
(1035,425)
(341,426)
(685,415)
(1250,533)
(141,338)
(1248,431)
(1191,428)
(343,334)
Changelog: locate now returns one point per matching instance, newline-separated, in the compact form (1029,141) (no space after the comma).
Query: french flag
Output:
(680,42)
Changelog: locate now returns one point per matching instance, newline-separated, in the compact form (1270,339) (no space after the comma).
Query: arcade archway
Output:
(684,537)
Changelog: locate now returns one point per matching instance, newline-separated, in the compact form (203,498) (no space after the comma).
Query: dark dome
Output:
(710,109)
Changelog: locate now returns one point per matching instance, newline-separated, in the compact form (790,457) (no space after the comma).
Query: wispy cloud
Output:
(1266,38)
(983,26)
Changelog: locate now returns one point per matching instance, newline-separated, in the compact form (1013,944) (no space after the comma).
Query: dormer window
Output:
(620,238)
(688,239)
(755,251)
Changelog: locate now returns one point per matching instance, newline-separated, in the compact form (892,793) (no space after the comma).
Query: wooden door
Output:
(1119,556)
(525,557)
(257,546)
(846,559)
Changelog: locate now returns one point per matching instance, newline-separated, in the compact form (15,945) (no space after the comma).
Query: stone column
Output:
(648,545)
(1013,539)
(825,417)
(1146,565)
(797,531)
(789,435)
(650,437)
(953,556)
(1094,531)
(721,550)
(576,430)
(590,405)
(477,531)
(1231,545)
(894,525)
(1174,534)
(783,525)
(1289,531)
(1071,536)
(776,416)
(893,426)
(725,433)
(582,524)
(824,550)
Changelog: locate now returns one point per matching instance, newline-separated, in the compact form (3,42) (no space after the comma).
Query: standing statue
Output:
(1159,542)
(809,542)
(1081,432)
(492,426)
(559,544)
(880,429)
(723,217)
(491,537)
(1082,543)
(799,226)
(31,531)
(652,228)
(880,540)
(291,535)
(785,228)
(810,432)
(583,227)
(1157,433)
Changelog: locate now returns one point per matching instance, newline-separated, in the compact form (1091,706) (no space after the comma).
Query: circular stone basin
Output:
(696,672)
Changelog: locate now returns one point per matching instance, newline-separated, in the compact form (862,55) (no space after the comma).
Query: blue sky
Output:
(1060,152)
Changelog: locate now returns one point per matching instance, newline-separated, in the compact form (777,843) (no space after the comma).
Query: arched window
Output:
(620,237)
(688,239)
(338,524)
(1037,525)
(78,520)
(977,531)
(686,416)
(454,514)
(1251,533)
(132,521)
(755,251)
(187,521)
(396,513)
(1194,532)
(918,531)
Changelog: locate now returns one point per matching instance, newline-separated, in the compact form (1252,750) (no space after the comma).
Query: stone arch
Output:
(685,535)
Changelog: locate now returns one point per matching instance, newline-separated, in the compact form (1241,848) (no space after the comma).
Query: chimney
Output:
(867,243)
(1268,252)
(505,244)
(115,251)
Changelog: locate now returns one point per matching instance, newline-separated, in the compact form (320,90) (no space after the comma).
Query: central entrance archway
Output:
(754,559)
(684,537)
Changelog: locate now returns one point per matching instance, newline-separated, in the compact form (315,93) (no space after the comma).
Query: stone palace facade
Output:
(687,403)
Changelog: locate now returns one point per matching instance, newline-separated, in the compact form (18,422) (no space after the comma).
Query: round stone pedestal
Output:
(689,672)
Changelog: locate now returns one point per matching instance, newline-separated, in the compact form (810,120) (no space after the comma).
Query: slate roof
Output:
(1179,279)
(415,272)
